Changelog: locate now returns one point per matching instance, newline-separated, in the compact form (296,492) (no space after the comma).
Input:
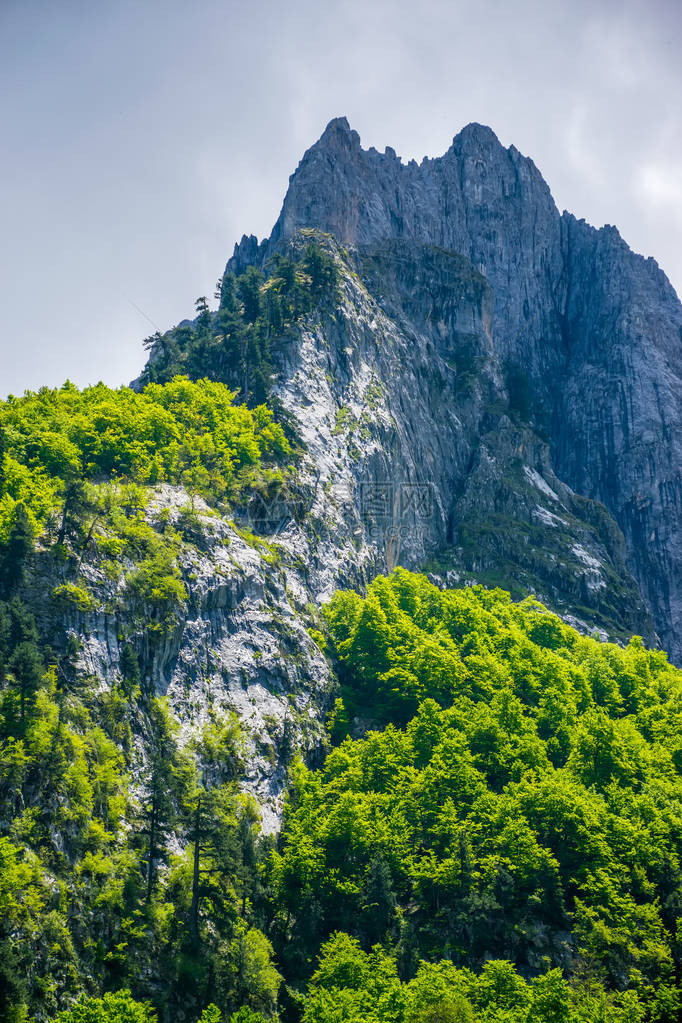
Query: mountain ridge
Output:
(572,303)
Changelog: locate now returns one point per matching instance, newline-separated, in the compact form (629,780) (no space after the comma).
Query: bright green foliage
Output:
(523,801)
(249,977)
(245,1015)
(103,869)
(62,780)
(79,468)
(211,1014)
(180,432)
(502,846)
(354,986)
(69,790)
(72,593)
(112,1008)
(23,898)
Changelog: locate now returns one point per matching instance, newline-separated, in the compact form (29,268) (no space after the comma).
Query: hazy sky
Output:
(141,138)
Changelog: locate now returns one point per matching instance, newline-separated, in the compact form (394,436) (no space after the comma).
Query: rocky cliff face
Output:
(491,394)
(590,331)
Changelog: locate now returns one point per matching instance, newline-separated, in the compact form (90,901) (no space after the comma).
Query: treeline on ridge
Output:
(237,343)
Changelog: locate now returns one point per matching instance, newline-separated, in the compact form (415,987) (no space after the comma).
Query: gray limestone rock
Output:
(593,329)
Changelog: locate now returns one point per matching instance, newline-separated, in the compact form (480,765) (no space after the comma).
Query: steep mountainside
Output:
(592,330)
(254,770)
(416,449)
(462,399)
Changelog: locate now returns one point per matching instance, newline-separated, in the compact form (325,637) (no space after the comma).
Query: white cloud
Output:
(660,184)
(580,147)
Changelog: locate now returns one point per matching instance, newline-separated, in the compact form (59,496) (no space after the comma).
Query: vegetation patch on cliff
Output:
(55,442)
(238,343)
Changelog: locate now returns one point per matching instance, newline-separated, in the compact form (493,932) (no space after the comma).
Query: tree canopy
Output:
(517,797)
(56,440)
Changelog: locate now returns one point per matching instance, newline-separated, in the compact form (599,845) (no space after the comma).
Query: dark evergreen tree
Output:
(14,554)
(231,340)
(5,632)
(284,269)
(249,291)
(165,790)
(216,855)
(23,628)
(21,662)
(3,451)
(74,501)
(379,902)
(321,268)
(247,855)
(226,291)
(26,667)
(203,322)
(257,368)
(152,340)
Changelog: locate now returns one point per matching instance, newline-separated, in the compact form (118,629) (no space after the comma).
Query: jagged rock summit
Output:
(589,330)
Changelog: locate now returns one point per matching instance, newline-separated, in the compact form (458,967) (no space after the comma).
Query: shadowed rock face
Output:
(591,329)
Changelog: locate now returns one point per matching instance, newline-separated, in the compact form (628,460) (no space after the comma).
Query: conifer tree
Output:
(15,552)
(249,291)
(165,789)
(26,666)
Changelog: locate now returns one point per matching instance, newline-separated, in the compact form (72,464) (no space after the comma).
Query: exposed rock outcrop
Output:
(592,329)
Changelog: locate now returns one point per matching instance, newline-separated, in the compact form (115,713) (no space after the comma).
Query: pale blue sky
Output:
(141,138)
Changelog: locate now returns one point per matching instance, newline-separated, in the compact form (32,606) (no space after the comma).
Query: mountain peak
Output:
(474,129)
(338,124)
(555,283)
(478,136)
(338,134)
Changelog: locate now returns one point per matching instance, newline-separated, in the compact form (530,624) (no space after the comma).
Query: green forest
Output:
(491,834)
